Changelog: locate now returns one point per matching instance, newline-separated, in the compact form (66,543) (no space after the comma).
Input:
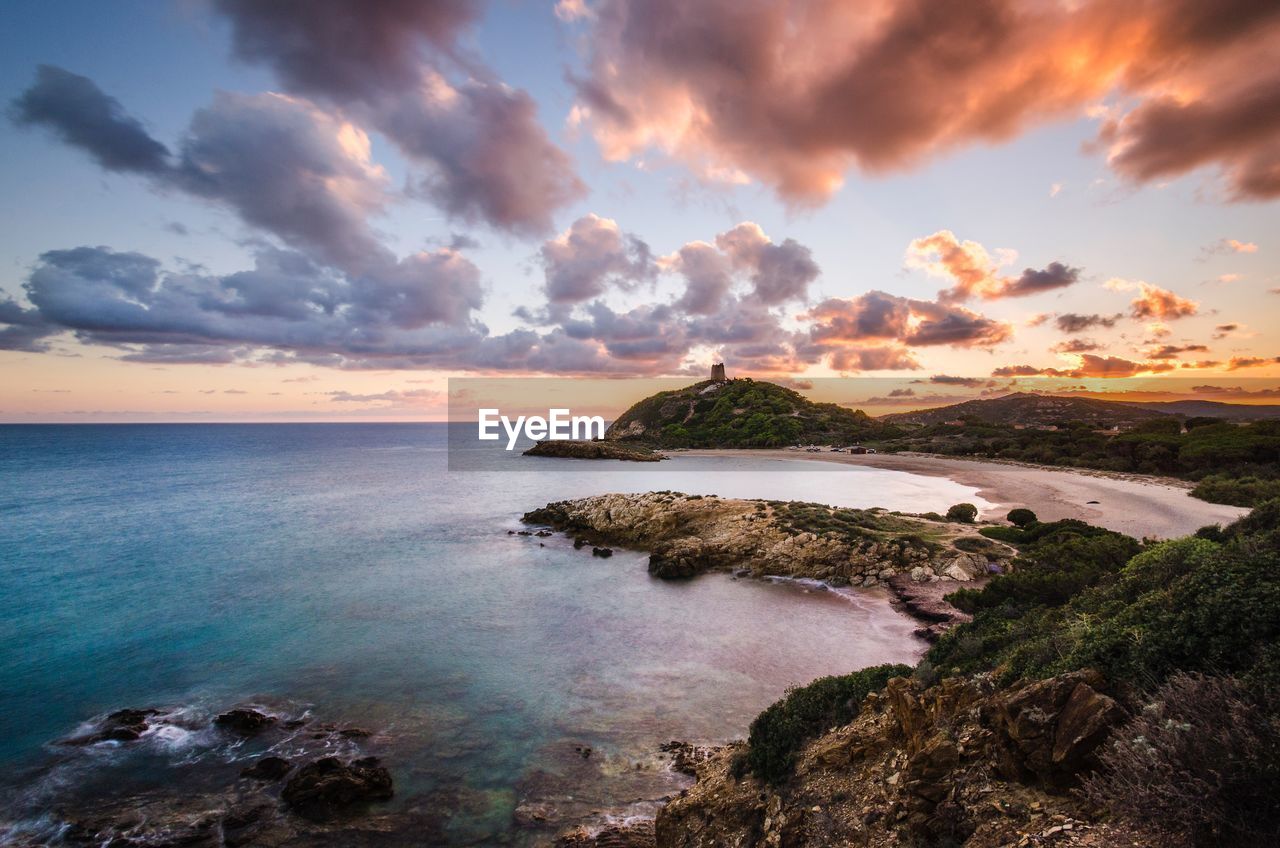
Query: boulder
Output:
(1052,728)
(267,769)
(328,787)
(243,721)
(678,559)
(120,726)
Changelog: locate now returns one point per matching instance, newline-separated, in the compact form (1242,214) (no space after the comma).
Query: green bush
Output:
(778,733)
(1241,491)
(965,512)
(1021,517)
(1079,597)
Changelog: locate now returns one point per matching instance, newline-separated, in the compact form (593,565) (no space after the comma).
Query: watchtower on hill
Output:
(717,373)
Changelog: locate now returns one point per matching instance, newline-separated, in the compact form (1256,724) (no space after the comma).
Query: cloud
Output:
(1238,362)
(85,117)
(1223,330)
(22,328)
(1155,302)
(1072,322)
(1076,346)
(731,93)
(582,261)
(1089,365)
(778,272)
(393,396)
(967,382)
(1174,351)
(841,329)
(279,163)
(974,274)
(396,65)
(1229,245)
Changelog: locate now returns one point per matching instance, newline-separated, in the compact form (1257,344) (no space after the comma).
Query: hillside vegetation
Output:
(1130,690)
(742,413)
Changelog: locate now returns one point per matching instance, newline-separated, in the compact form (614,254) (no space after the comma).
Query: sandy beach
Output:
(1132,504)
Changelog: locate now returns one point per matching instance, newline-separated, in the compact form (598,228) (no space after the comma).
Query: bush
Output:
(1240,491)
(778,733)
(1021,517)
(965,512)
(1200,765)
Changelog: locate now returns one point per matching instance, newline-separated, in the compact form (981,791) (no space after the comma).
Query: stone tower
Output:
(717,372)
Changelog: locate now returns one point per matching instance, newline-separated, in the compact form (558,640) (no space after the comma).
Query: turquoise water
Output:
(341,569)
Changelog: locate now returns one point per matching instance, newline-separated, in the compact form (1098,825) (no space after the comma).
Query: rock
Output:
(604,553)
(685,757)
(1052,728)
(542,534)
(267,769)
(327,787)
(355,733)
(678,559)
(578,449)
(120,726)
(244,721)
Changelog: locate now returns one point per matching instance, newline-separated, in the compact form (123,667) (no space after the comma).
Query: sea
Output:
(341,574)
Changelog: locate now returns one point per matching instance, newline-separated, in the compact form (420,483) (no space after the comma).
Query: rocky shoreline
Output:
(687,535)
(596,449)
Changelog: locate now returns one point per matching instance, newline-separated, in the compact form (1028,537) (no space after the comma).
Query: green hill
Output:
(1030,409)
(741,413)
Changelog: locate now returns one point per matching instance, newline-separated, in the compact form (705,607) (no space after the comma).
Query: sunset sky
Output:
(231,210)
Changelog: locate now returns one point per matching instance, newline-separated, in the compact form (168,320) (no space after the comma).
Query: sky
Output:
(231,210)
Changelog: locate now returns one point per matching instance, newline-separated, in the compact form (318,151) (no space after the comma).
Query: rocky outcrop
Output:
(687,535)
(244,721)
(577,449)
(926,602)
(329,787)
(120,726)
(960,762)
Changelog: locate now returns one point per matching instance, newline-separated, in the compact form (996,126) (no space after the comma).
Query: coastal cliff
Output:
(958,762)
(686,535)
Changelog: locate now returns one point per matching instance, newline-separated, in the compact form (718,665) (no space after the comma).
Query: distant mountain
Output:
(741,413)
(1031,410)
(1212,409)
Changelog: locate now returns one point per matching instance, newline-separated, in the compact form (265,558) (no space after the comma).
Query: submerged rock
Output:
(120,726)
(328,787)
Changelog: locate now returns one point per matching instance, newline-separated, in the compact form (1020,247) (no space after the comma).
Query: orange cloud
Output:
(974,273)
(1154,302)
(796,93)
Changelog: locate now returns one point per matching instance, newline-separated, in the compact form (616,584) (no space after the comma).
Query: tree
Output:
(1021,517)
(964,512)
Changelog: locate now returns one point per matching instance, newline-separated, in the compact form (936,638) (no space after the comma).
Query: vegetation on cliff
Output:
(742,413)
(1145,675)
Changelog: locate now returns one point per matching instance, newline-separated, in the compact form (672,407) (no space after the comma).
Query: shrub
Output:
(1200,766)
(1021,517)
(965,512)
(778,733)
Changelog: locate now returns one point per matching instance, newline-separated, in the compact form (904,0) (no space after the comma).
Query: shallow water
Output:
(342,569)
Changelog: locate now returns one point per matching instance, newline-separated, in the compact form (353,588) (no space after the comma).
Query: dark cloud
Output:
(967,382)
(1071,322)
(1174,351)
(84,116)
(1238,362)
(778,272)
(1076,346)
(395,65)
(1054,276)
(22,328)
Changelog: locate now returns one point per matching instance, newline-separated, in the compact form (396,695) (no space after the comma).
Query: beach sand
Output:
(1138,506)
